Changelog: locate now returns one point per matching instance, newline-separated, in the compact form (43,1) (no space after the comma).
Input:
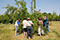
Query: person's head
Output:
(40,26)
(18,19)
(39,10)
(39,18)
(45,16)
(28,19)
(25,18)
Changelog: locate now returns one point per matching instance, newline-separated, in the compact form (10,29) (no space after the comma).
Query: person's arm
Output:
(42,22)
(18,23)
(37,20)
(44,18)
(31,22)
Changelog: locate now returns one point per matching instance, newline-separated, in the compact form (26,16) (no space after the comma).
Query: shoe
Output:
(38,34)
(16,35)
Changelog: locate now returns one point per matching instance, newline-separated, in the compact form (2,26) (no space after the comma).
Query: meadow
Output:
(7,32)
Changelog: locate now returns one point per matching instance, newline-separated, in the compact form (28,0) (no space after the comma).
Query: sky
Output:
(48,6)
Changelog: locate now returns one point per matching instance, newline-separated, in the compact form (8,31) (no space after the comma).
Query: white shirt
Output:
(25,23)
(16,23)
(30,22)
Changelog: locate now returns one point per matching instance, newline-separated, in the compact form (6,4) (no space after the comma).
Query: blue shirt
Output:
(17,22)
(45,21)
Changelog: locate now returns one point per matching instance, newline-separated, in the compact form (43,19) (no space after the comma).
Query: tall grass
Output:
(7,32)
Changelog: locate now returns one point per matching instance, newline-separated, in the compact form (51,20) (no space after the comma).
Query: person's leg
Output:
(45,25)
(48,28)
(27,32)
(42,32)
(31,33)
(24,32)
(39,31)
(15,30)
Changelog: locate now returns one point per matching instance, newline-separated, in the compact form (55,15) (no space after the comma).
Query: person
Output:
(45,21)
(16,26)
(24,26)
(48,26)
(40,30)
(29,28)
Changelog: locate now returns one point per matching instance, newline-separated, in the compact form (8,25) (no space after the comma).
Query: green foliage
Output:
(14,13)
(34,3)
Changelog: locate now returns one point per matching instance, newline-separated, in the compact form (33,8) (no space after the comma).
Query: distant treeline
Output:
(11,18)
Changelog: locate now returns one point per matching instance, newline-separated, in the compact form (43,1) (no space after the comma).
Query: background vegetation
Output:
(19,12)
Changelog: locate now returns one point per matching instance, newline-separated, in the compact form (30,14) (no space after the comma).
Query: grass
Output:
(7,32)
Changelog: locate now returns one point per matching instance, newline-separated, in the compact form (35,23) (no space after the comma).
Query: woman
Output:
(40,25)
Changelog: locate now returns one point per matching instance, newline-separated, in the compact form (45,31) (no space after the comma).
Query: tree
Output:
(49,13)
(44,14)
(32,8)
(59,18)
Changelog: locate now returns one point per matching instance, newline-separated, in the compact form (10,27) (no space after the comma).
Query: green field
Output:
(7,32)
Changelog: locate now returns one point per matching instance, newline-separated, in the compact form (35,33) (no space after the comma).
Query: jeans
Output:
(45,25)
(48,28)
(40,31)
(29,30)
(16,28)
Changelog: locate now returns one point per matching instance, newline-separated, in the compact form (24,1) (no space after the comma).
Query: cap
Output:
(28,18)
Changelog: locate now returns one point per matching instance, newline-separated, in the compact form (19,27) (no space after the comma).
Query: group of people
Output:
(44,23)
(27,25)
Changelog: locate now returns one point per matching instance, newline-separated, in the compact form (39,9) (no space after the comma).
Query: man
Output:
(45,21)
(24,26)
(29,28)
(16,26)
